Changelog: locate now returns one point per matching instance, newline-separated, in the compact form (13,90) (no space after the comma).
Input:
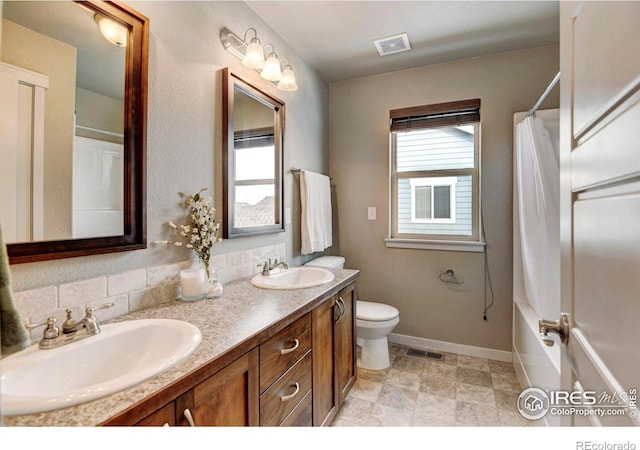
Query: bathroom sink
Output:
(293,278)
(122,355)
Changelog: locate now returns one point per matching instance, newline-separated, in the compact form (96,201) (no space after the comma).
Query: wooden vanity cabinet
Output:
(334,354)
(299,376)
(227,398)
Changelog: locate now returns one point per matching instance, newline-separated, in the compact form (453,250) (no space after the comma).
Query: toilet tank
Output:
(331,262)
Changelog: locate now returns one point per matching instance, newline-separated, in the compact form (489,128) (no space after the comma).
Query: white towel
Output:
(315,197)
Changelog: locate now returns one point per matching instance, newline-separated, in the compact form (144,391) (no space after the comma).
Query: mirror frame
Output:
(135,117)
(229,83)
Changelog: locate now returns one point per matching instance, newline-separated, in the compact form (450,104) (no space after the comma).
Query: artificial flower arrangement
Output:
(201,233)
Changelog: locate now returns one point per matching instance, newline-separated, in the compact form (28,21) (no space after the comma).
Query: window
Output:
(254,178)
(435,176)
(433,200)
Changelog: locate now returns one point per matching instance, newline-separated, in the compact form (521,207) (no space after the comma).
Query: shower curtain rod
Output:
(533,110)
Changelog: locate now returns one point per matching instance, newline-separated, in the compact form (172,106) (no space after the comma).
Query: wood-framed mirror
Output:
(93,186)
(252,144)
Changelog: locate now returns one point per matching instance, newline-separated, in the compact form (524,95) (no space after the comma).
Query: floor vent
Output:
(423,353)
(416,352)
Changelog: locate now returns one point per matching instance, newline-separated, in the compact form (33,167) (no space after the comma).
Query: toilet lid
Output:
(375,312)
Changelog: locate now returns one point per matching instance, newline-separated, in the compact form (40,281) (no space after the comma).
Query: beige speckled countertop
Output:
(228,324)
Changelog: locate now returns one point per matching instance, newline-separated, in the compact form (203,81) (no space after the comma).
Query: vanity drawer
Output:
(302,414)
(283,350)
(280,399)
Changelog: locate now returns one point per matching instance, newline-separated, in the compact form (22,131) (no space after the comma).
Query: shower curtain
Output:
(539,213)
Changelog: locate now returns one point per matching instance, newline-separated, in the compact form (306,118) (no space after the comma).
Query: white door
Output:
(22,153)
(600,208)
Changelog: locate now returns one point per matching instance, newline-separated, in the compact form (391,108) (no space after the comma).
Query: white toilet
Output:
(374,322)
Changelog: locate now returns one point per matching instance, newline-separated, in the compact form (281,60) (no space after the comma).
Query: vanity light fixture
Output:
(253,57)
(112,31)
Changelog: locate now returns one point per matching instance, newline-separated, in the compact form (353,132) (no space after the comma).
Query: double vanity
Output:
(271,356)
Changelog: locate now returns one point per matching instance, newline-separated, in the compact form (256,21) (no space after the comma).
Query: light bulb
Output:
(271,69)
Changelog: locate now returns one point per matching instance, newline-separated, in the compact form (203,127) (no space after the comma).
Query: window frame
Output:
(471,242)
(434,182)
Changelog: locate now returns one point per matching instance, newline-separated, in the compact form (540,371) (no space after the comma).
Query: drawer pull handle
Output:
(187,415)
(296,344)
(284,398)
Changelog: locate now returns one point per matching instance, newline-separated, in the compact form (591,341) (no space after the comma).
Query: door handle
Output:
(341,306)
(560,327)
(189,418)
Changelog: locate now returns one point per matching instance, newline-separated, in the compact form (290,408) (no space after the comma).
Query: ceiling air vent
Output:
(392,44)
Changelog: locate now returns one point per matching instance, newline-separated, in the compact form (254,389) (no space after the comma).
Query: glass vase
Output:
(213,288)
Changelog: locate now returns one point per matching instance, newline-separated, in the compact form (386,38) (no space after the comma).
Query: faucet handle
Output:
(90,309)
(50,332)
(265,268)
(69,323)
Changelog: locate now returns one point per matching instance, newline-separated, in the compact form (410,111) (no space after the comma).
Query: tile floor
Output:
(417,391)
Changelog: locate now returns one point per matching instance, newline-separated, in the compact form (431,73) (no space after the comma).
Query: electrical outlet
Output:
(371,213)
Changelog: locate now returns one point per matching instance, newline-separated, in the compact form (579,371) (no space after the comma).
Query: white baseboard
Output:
(449,347)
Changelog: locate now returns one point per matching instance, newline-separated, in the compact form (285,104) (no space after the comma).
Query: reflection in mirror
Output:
(73,75)
(253,160)
(79,118)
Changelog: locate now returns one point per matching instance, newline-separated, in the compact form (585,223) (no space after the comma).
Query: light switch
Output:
(371,213)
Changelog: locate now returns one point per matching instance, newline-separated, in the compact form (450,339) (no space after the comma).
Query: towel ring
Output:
(449,277)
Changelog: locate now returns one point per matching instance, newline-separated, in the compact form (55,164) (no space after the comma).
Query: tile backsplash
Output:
(132,290)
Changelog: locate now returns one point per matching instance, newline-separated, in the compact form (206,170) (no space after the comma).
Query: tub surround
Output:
(230,325)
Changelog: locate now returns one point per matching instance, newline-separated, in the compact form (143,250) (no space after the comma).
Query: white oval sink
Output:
(293,278)
(122,355)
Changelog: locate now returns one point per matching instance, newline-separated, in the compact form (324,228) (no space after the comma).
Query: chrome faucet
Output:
(268,267)
(52,338)
(281,263)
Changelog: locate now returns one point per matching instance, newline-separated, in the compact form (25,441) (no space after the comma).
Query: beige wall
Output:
(101,112)
(184,134)
(359,164)
(25,48)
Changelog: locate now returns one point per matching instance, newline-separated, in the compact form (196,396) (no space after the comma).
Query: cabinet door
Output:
(325,395)
(227,398)
(165,416)
(345,333)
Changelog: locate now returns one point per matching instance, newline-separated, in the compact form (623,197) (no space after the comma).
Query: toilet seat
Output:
(375,312)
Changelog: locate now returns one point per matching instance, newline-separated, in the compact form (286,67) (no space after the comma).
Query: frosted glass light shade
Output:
(112,31)
(271,69)
(288,80)
(254,56)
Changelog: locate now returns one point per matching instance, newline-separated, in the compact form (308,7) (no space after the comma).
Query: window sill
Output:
(419,244)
